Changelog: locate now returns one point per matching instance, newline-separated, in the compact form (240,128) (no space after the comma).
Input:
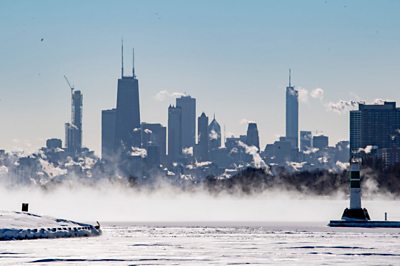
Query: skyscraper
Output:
(154,135)
(71,138)
(127,125)
(214,135)
(73,130)
(342,151)
(320,142)
(108,118)
(202,135)
(174,134)
(280,152)
(188,107)
(305,140)
(355,131)
(375,125)
(252,138)
(153,159)
(292,114)
(53,143)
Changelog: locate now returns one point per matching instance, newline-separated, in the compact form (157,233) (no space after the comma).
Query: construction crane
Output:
(69,84)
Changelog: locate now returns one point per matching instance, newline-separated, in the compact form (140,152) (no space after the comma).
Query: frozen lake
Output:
(212,243)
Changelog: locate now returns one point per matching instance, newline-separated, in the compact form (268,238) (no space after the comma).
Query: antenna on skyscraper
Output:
(290,77)
(122,58)
(133,62)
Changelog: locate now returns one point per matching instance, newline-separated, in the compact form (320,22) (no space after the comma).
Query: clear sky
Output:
(233,56)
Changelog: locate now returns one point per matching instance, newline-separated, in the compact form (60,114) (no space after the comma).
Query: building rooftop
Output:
(384,106)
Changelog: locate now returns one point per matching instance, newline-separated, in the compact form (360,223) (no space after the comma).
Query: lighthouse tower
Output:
(355,188)
(355,212)
(355,215)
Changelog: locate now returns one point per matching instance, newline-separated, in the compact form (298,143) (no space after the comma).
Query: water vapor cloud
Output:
(317,93)
(165,95)
(245,121)
(305,94)
(343,106)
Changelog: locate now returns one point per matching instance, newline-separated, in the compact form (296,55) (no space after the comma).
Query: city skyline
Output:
(199,132)
(200,70)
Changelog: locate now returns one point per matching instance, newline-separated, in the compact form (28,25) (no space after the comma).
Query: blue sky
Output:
(233,56)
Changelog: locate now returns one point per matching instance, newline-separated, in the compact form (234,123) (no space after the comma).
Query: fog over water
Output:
(117,202)
(170,225)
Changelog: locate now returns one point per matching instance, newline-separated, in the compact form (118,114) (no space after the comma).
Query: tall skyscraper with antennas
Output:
(292,114)
(127,123)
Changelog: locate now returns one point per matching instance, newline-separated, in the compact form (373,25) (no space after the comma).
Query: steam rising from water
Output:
(117,202)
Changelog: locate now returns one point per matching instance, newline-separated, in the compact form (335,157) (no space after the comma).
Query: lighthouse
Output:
(355,212)
(355,215)
(355,188)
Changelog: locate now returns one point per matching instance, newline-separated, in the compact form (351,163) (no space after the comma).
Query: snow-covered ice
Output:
(24,225)
(212,244)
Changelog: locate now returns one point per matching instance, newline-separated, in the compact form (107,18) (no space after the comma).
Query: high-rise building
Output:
(342,151)
(355,131)
(77,101)
(73,130)
(232,143)
(71,136)
(174,134)
(252,138)
(279,152)
(127,125)
(292,114)
(320,142)
(375,125)
(108,118)
(53,143)
(305,140)
(154,135)
(188,107)
(153,158)
(214,135)
(202,136)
